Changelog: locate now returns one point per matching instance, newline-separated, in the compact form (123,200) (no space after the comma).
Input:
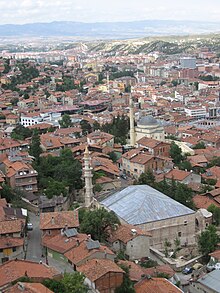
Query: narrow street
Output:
(34,251)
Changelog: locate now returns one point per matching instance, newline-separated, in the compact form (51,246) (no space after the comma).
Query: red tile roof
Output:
(96,268)
(14,269)
(155,285)
(124,233)
(81,253)
(58,220)
(28,288)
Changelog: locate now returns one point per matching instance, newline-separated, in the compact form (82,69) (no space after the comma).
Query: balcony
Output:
(25,174)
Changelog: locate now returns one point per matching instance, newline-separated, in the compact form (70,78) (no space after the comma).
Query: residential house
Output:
(132,240)
(181,176)
(12,270)
(11,239)
(51,223)
(159,285)
(100,138)
(56,246)
(102,275)
(21,175)
(137,161)
(154,147)
(205,200)
(28,288)
(86,250)
(211,139)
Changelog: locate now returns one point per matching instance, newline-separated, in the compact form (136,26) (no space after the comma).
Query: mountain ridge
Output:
(130,29)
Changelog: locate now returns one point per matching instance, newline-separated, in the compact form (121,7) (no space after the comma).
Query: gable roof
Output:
(58,220)
(139,204)
(81,252)
(11,226)
(178,175)
(96,268)
(156,285)
(14,269)
(28,288)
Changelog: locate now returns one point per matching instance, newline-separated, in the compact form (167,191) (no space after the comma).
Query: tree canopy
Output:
(65,121)
(59,172)
(215,213)
(70,283)
(98,222)
(208,240)
(35,148)
(20,132)
(176,153)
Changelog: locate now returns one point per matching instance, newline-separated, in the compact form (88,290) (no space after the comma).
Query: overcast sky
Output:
(26,11)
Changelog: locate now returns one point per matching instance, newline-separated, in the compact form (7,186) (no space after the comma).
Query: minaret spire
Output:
(132,130)
(88,178)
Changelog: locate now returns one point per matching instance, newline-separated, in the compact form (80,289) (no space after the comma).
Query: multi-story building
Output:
(21,175)
(196,112)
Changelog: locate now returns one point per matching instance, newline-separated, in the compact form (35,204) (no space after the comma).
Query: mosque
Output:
(147,126)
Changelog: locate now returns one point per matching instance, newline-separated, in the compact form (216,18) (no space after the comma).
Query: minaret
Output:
(88,179)
(132,130)
(108,88)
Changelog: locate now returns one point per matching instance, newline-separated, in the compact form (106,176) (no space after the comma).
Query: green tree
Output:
(199,145)
(63,169)
(26,96)
(176,153)
(113,156)
(7,192)
(86,127)
(185,165)
(55,188)
(215,213)
(65,121)
(147,178)
(208,240)
(74,283)
(127,285)
(35,148)
(98,222)
(96,126)
(20,132)
(54,285)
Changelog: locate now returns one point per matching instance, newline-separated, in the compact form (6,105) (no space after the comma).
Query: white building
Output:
(196,112)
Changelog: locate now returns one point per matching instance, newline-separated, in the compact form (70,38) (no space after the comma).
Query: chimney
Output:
(52,221)
(105,253)
(77,242)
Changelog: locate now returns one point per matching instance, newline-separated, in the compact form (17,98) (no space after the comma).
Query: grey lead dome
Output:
(147,120)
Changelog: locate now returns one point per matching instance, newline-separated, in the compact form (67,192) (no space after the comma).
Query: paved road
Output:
(34,251)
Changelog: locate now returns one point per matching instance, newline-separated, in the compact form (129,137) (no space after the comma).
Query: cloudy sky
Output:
(26,11)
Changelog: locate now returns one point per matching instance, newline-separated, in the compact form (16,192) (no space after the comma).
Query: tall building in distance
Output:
(188,62)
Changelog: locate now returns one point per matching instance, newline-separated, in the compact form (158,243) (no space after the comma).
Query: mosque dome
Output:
(147,121)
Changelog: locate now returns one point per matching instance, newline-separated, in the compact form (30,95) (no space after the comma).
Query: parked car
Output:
(187,270)
(29,226)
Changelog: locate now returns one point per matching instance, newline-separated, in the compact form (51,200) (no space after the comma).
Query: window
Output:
(14,249)
(179,234)
(1,250)
(185,222)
